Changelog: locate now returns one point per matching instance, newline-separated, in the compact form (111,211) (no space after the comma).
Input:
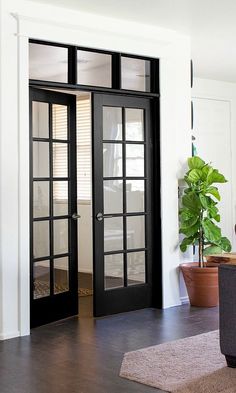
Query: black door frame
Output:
(116,89)
(50,308)
(157,294)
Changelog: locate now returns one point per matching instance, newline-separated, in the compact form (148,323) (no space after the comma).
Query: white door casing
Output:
(45,22)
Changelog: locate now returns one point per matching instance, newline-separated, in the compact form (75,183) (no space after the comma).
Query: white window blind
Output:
(59,131)
(83,150)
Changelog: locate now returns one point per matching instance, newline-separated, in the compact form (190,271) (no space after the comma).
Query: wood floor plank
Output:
(83,355)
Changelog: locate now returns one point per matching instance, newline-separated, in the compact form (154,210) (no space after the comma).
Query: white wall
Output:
(218,100)
(214,108)
(213,143)
(55,24)
(85,246)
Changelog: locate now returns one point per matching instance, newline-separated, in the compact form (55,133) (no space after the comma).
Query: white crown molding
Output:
(143,34)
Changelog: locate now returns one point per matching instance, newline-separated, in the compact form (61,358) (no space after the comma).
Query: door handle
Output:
(75,216)
(100,216)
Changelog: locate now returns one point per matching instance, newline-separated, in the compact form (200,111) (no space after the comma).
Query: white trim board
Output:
(184,299)
(10,335)
(83,29)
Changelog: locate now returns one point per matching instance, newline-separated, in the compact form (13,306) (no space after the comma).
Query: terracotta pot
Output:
(202,284)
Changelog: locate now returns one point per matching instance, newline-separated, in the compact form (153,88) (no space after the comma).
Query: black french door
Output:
(53,208)
(122,221)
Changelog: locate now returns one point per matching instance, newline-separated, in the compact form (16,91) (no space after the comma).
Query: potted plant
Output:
(198,217)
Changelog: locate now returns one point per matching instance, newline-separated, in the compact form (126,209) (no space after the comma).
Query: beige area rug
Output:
(85,292)
(190,365)
(42,289)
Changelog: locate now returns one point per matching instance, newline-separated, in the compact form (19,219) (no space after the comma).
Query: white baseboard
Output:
(7,336)
(170,305)
(184,300)
(85,270)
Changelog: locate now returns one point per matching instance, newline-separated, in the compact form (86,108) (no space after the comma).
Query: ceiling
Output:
(210,23)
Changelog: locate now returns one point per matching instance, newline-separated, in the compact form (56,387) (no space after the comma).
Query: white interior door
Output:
(213,144)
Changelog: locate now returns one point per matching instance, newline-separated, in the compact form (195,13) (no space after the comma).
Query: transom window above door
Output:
(64,64)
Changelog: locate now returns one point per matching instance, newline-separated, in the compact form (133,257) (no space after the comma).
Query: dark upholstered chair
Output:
(227,294)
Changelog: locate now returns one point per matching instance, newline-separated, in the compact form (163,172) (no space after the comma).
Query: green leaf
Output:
(186,242)
(190,231)
(186,180)
(213,212)
(195,162)
(215,177)
(185,214)
(192,202)
(217,218)
(225,244)
(212,250)
(213,191)
(194,175)
(211,231)
(187,190)
(205,171)
(205,201)
(187,218)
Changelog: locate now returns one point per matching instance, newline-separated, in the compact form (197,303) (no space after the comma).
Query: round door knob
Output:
(75,216)
(99,216)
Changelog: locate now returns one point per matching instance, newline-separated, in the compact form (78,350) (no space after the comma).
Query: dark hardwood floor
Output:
(84,355)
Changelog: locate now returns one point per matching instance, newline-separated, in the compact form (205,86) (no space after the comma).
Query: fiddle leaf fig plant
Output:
(199,213)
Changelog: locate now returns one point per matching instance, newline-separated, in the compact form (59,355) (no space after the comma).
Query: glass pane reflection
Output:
(48,63)
(40,119)
(61,275)
(40,199)
(41,279)
(134,124)
(40,159)
(134,160)
(135,196)
(60,160)
(113,234)
(135,232)
(112,160)
(60,198)
(135,74)
(112,123)
(113,196)
(136,267)
(60,234)
(59,122)
(114,271)
(94,68)
(41,239)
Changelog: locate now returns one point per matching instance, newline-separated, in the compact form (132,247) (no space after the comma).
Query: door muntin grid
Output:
(51,209)
(124,179)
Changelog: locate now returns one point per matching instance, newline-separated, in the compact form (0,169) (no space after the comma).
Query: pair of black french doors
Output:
(121,199)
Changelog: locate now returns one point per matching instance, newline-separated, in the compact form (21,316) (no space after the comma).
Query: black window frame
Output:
(116,76)
(70,68)
(154,96)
